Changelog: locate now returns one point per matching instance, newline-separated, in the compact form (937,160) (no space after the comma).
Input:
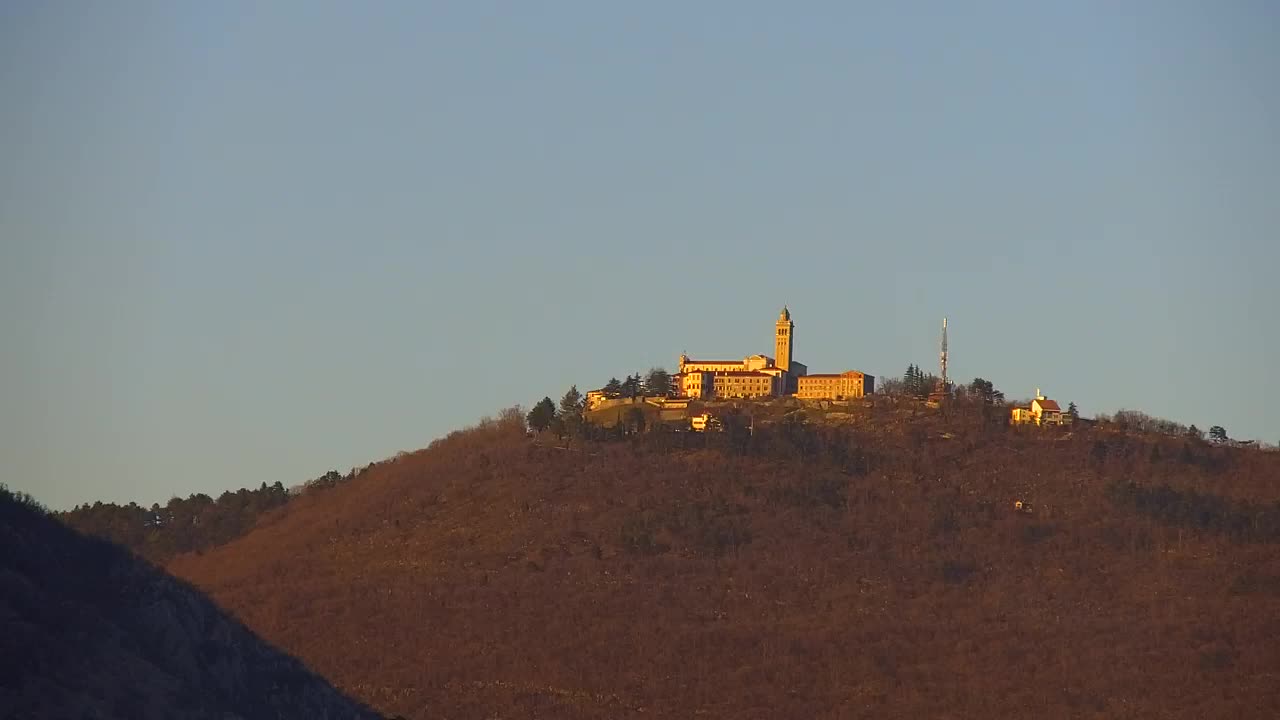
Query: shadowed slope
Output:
(88,630)
(494,576)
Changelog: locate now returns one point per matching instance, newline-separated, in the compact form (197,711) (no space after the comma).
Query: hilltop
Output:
(799,571)
(88,630)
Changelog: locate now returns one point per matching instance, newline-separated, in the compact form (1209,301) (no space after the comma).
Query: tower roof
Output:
(785,314)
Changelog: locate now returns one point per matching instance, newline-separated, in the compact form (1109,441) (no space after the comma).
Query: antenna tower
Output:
(942,356)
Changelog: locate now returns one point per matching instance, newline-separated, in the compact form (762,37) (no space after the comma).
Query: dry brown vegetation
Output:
(874,571)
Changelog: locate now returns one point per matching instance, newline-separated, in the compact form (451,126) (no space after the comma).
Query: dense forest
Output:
(193,524)
(914,564)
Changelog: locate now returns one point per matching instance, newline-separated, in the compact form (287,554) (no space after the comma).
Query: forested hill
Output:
(196,523)
(879,570)
(88,630)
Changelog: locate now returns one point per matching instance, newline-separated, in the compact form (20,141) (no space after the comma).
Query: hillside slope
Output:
(88,630)
(798,573)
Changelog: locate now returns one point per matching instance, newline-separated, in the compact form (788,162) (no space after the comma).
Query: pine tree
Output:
(986,391)
(571,408)
(631,386)
(542,414)
(657,382)
(916,383)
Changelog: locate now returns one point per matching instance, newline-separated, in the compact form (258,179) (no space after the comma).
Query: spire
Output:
(785,314)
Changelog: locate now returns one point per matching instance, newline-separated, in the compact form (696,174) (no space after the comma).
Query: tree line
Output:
(1142,422)
(192,524)
(565,420)
(657,383)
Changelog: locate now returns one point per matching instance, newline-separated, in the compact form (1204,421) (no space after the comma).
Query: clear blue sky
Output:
(248,242)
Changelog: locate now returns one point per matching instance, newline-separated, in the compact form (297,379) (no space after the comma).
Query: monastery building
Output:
(761,376)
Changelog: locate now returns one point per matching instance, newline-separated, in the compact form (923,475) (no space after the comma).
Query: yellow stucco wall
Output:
(743,386)
(784,340)
(846,385)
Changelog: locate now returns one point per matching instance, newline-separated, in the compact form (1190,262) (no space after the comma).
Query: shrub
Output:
(958,572)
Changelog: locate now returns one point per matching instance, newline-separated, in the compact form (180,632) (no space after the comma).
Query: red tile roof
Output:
(849,374)
(1047,404)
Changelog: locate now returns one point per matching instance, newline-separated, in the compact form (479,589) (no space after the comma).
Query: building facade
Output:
(848,385)
(1042,411)
(755,376)
(595,398)
(745,384)
(761,376)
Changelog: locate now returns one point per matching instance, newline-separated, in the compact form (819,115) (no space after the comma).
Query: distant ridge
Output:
(88,630)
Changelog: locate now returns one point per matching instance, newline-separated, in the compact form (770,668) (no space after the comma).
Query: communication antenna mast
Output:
(942,356)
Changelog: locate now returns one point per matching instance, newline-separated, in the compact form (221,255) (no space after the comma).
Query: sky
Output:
(250,242)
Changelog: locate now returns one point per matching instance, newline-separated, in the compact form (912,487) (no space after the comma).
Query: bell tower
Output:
(783,339)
